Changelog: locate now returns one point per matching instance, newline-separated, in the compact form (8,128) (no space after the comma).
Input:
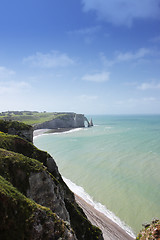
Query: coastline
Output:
(39,132)
(110,230)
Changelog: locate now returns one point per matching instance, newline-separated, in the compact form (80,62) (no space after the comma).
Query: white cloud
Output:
(87,98)
(136,101)
(105,61)
(141,100)
(123,12)
(120,102)
(86,31)
(87,34)
(155,39)
(128,56)
(97,77)
(149,99)
(130,83)
(13,87)
(146,86)
(140,54)
(5,73)
(49,60)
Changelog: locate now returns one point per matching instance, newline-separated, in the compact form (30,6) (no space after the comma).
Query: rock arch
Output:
(90,124)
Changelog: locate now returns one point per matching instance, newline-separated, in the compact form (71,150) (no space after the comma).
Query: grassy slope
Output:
(31,118)
(19,215)
(15,166)
(5,125)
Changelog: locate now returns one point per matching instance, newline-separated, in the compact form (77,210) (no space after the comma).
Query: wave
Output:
(98,206)
(39,132)
(67,132)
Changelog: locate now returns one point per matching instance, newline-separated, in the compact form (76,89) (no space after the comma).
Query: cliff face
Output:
(70,120)
(34,200)
(31,178)
(16,128)
(22,218)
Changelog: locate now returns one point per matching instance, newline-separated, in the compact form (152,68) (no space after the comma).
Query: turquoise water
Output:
(117,162)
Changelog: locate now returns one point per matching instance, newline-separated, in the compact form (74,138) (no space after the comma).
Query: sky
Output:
(83,56)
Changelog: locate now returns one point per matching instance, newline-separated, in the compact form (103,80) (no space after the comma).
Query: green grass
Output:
(18,145)
(31,118)
(5,125)
(16,168)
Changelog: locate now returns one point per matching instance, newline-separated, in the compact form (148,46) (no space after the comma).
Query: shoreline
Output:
(42,131)
(110,230)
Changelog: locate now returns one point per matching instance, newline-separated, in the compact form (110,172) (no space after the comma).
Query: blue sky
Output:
(86,56)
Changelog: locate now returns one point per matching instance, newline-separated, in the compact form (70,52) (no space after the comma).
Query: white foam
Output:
(108,127)
(40,132)
(98,206)
(67,132)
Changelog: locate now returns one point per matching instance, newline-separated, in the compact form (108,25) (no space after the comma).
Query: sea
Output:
(114,166)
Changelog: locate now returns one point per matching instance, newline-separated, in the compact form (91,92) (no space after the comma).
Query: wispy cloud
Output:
(6,73)
(136,101)
(149,99)
(147,86)
(105,61)
(86,31)
(155,39)
(123,12)
(86,98)
(129,56)
(13,87)
(97,77)
(130,84)
(87,34)
(141,100)
(49,60)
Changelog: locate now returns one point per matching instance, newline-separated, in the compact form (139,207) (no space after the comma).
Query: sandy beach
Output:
(43,131)
(111,231)
(39,132)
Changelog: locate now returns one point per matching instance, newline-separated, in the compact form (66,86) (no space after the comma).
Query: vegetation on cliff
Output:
(16,169)
(22,218)
(6,125)
(30,117)
(51,120)
(150,232)
(26,169)
(20,145)
(17,128)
